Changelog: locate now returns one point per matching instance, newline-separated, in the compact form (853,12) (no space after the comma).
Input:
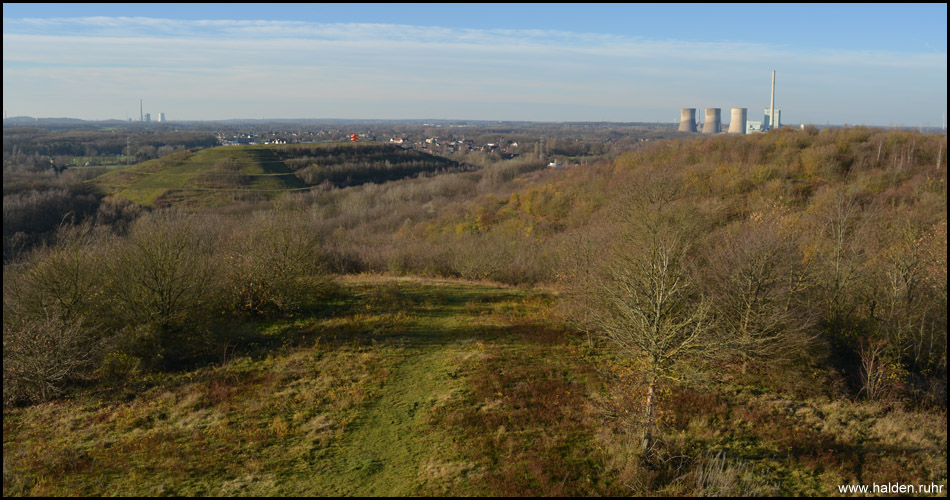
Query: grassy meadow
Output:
(218,176)
(204,176)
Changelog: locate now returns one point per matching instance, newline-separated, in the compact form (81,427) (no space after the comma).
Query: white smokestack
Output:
(772,103)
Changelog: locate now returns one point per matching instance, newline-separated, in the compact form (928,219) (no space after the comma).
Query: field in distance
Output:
(221,175)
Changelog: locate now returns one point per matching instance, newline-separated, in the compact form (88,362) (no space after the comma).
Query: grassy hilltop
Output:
(217,176)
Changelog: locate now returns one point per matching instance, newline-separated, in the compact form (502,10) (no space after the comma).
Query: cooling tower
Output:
(713,124)
(688,120)
(738,121)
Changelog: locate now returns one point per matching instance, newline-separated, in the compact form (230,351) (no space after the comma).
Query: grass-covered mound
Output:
(221,175)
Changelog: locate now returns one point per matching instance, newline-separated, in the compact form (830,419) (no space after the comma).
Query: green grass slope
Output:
(207,177)
(221,175)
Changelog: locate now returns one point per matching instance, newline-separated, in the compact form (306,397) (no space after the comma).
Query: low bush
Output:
(43,352)
(272,265)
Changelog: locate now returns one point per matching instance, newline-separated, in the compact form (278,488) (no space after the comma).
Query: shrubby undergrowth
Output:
(828,246)
(168,295)
(783,329)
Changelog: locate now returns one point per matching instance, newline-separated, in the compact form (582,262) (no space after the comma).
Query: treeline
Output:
(348,165)
(21,144)
(37,201)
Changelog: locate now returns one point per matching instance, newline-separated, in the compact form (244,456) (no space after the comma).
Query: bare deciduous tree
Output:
(161,281)
(837,251)
(755,276)
(265,263)
(643,297)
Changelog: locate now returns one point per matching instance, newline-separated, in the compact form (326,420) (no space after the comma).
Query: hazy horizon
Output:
(885,66)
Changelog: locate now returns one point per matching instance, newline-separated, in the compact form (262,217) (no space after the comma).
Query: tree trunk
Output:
(648,420)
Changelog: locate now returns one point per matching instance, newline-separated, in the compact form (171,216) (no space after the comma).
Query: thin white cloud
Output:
(287,35)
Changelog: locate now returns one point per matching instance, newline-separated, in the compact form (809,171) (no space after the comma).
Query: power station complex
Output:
(738,122)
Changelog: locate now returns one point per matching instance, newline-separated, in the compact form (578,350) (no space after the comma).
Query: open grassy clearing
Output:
(437,387)
(112,162)
(205,175)
(217,176)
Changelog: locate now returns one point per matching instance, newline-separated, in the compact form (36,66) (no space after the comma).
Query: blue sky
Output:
(874,64)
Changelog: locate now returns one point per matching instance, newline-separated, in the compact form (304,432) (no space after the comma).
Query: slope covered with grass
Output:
(221,175)
(210,176)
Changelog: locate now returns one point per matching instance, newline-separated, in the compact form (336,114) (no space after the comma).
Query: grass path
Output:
(383,453)
(385,450)
(479,402)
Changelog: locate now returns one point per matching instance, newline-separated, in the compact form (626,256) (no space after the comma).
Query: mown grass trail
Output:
(393,447)
(388,443)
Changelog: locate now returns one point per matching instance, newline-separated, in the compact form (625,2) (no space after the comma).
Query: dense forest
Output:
(738,294)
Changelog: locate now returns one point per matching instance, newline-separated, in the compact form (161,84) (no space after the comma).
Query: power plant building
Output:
(739,119)
(766,121)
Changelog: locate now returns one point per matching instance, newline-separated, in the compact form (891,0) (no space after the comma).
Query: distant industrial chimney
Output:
(141,114)
(772,103)
(713,123)
(688,120)
(737,123)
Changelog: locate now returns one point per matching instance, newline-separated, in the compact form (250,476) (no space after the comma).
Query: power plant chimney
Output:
(141,114)
(737,123)
(713,124)
(772,103)
(688,120)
